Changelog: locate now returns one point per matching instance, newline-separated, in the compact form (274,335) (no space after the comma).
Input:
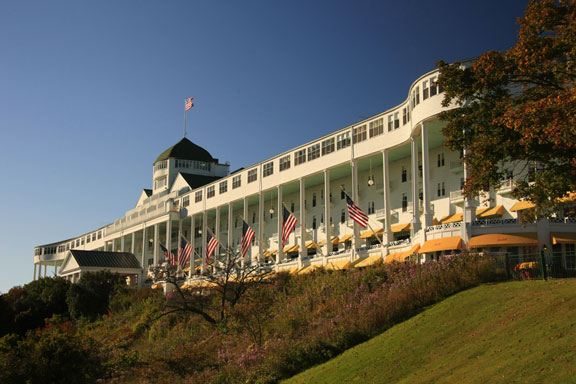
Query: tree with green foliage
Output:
(90,297)
(517,109)
(35,302)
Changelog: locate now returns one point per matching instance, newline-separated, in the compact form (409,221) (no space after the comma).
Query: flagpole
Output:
(185,117)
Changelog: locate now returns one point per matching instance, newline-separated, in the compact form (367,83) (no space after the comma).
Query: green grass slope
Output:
(517,332)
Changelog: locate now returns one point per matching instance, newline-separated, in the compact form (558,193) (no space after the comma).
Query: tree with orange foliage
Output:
(517,109)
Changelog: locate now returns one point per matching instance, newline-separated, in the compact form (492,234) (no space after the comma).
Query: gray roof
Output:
(105,259)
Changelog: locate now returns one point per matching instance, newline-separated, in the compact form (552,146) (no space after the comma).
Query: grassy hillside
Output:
(517,332)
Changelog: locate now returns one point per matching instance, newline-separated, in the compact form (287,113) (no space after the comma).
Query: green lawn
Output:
(517,332)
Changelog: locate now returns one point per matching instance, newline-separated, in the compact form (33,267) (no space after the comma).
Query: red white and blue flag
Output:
(247,236)
(189,104)
(184,252)
(211,244)
(288,225)
(356,213)
(170,258)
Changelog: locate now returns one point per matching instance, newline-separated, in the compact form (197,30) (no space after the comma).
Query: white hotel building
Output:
(393,165)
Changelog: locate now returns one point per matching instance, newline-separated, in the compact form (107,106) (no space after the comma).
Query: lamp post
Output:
(542,262)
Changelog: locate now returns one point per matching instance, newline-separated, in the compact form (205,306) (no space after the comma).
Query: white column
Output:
(34,279)
(143,260)
(217,231)
(156,247)
(122,242)
(387,235)
(415,225)
(230,224)
(469,211)
(193,245)
(178,239)
(133,243)
(260,226)
(327,213)
(280,214)
(428,215)
(169,234)
(45,270)
(303,250)
(355,198)
(203,249)
(245,215)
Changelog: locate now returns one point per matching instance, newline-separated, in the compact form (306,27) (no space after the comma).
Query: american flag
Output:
(189,104)
(356,213)
(211,244)
(168,255)
(184,252)
(247,236)
(288,225)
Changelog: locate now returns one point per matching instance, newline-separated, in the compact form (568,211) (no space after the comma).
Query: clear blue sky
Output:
(92,92)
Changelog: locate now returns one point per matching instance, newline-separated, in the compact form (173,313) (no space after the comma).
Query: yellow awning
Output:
(563,238)
(443,244)
(335,240)
(311,245)
(369,233)
(156,286)
(270,252)
(503,240)
(520,205)
(367,261)
(291,248)
(309,269)
(400,227)
(338,265)
(401,256)
(451,218)
(321,243)
(569,198)
(186,269)
(493,211)
(345,238)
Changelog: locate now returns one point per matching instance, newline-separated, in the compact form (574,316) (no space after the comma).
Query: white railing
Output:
(443,227)
(489,222)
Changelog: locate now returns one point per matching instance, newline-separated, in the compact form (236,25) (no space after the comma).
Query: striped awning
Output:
(451,218)
(442,244)
(563,238)
(401,256)
(309,269)
(338,265)
(400,227)
(520,205)
(369,233)
(291,248)
(490,211)
(311,245)
(504,240)
(367,261)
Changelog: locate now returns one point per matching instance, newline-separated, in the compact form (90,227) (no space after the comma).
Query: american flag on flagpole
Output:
(189,104)
(247,236)
(355,212)
(184,252)
(168,255)
(211,244)
(288,225)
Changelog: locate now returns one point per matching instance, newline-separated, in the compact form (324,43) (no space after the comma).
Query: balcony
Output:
(456,167)
(505,187)
(456,197)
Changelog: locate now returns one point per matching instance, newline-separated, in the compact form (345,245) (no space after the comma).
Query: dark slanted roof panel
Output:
(195,181)
(148,192)
(105,259)
(187,150)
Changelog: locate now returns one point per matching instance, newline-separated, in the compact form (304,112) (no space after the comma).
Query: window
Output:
(360,133)
(424,89)
(99,235)
(416,97)
(371,206)
(462,182)
(160,182)
(210,191)
(404,116)
(343,216)
(313,222)
(198,196)
(300,157)
(87,239)
(376,127)
(396,120)
(433,86)
(186,201)
(404,174)
(252,175)
(314,199)
(253,217)
(314,152)
(292,206)
(440,160)
(236,181)
(284,163)
(404,202)
(441,189)
(390,123)
(268,169)
(327,146)
(343,140)
(342,195)
(223,187)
